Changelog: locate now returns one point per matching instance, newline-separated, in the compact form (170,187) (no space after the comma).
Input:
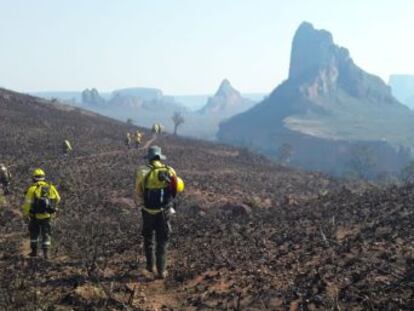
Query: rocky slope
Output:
(248,235)
(326,105)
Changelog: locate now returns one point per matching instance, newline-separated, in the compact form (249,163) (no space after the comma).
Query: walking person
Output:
(156,186)
(67,148)
(40,205)
(138,138)
(128,140)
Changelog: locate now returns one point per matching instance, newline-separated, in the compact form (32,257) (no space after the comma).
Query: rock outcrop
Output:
(320,68)
(125,101)
(91,97)
(326,105)
(226,101)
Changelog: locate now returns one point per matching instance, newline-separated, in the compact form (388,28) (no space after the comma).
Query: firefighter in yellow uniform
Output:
(138,138)
(67,147)
(155,128)
(160,128)
(128,140)
(40,205)
(155,188)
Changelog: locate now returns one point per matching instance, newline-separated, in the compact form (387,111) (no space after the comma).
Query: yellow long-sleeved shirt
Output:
(152,182)
(30,195)
(138,137)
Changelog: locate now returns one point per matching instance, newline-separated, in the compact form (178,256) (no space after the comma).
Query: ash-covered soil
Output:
(248,235)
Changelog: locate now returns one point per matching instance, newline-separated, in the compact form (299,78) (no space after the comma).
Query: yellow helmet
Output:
(180,185)
(38,173)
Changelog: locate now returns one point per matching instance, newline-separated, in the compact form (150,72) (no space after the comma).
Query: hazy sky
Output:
(188,46)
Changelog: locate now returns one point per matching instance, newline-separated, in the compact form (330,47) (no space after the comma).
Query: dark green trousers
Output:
(40,228)
(158,224)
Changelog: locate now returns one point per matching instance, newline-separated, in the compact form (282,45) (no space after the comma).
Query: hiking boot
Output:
(33,253)
(163,275)
(151,268)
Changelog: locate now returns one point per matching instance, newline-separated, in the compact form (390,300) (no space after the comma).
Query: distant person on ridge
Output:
(128,140)
(155,188)
(40,205)
(5,178)
(138,138)
(67,147)
(160,128)
(155,128)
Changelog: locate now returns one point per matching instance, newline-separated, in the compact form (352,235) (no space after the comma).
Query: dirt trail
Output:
(96,155)
(154,294)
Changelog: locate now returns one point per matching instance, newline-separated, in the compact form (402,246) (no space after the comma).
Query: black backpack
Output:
(158,198)
(41,201)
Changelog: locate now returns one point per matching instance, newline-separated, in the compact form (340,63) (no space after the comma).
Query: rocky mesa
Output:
(327,111)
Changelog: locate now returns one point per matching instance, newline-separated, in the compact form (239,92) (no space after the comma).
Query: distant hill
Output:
(227,101)
(141,105)
(192,102)
(76,96)
(403,88)
(326,106)
(146,94)
(146,106)
(197,102)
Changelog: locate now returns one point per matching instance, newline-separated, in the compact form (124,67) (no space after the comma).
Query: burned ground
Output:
(248,235)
